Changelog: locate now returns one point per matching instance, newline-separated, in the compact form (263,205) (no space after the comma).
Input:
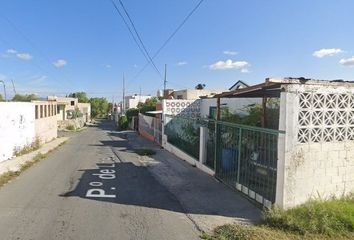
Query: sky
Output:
(58,47)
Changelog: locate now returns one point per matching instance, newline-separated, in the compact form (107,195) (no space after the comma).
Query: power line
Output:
(140,40)
(127,25)
(170,37)
(142,46)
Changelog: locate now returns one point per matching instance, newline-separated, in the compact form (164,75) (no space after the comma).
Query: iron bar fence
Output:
(242,156)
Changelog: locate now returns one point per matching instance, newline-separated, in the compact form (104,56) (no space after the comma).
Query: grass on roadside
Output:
(316,219)
(70,128)
(8,176)
(35,145)
(144,152)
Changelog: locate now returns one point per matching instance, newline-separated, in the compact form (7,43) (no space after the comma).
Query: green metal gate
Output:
(246,159)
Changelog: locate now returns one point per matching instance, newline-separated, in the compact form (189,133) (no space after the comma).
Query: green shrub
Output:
(144,152)
(70,127)
(123,123)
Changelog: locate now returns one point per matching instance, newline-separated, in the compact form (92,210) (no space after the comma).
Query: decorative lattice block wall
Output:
(190,108)
(325,117)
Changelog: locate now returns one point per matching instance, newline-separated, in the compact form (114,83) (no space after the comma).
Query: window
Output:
(212,112)
(179,96)
(36,111)
(72,103)
(41,110)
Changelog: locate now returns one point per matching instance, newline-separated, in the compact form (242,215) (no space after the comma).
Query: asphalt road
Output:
(85,191)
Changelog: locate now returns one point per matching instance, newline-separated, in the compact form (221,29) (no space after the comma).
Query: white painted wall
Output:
(235,105)
(46,129)
(309,165)
(133,101)
(16,127)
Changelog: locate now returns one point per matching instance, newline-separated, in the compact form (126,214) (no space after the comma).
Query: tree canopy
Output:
(99,107)
(24,97)
(1,98)
(149,105)
(81,96)
(200,86)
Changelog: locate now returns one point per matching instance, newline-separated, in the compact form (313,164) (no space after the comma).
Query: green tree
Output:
(1,98)
(99,107)
(149,105)
(200,86)
(81,96)
(24,97)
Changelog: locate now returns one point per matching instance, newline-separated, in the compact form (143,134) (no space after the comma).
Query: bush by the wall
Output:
(123,123)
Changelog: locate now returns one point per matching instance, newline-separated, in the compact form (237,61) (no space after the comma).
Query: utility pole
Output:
(165,81)
(13,86)
(4,89)
(123,104)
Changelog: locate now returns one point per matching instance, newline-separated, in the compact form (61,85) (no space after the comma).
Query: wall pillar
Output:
(203,144)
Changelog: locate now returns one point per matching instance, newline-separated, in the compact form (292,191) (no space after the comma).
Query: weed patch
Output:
(70,128)
(144,152)
(316,219)
(8,176)
(35,145)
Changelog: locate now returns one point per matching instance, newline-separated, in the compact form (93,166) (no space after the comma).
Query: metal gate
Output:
(246,159)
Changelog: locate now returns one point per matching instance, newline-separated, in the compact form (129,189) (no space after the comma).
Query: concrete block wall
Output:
(316,155)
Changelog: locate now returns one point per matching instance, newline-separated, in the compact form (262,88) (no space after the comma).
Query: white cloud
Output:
(182,63)
(228,52)
(245,70)
(24,56)
(108,65)
(229,64)
(11,51)
(60,63)
(324,52)
(347,62)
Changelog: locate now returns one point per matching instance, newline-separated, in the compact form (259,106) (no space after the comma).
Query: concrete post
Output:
(203,144)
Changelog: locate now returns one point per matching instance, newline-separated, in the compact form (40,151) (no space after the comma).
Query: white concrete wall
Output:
(235,105)
(85,109)
(133,101)
(316,156)
(16,127)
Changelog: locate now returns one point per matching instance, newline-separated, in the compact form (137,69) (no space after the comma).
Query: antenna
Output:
(2,81)
(165,81)
(123,107)
(13,86)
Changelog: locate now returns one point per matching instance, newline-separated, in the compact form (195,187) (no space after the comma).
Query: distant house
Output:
(192,94)
(238,85)
(64,105)
(133,100)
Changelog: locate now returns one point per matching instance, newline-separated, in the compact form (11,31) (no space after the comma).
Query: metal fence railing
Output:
(246,159)
(184,133)
(243,157)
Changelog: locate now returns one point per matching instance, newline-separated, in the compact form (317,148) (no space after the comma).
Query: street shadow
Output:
(130,185)
(135,186)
